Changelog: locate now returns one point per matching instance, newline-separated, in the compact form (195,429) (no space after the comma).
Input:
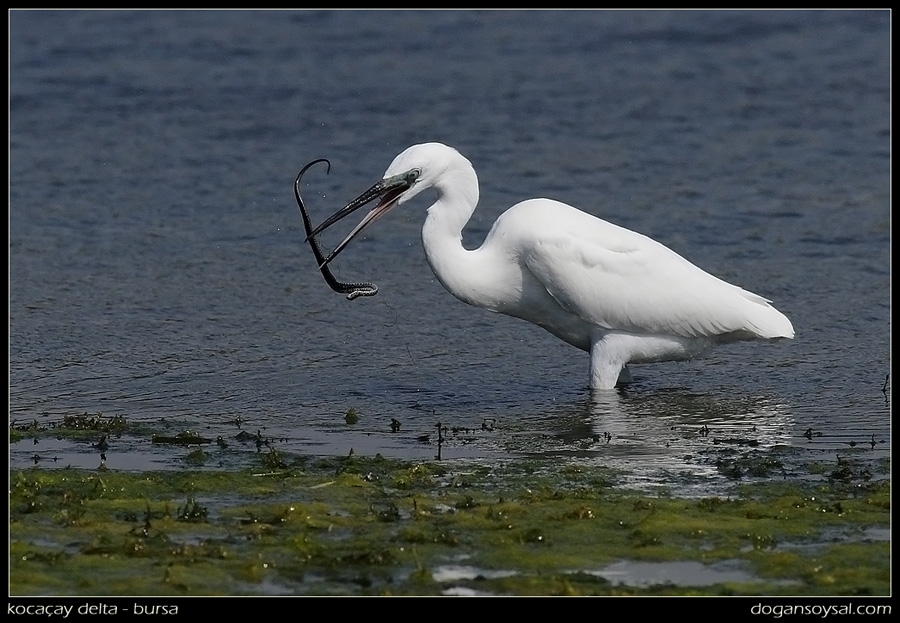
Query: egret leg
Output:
(607,364)
(611,351)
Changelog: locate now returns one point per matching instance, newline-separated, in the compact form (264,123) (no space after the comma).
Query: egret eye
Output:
(413,175)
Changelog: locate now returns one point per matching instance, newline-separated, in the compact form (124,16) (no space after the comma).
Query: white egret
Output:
(615,293)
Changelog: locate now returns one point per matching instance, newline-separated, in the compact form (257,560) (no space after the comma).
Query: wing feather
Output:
(618,279)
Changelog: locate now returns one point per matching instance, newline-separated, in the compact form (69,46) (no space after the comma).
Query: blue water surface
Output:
(158,270)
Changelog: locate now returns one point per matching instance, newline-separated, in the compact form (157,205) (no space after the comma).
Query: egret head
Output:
(414,170)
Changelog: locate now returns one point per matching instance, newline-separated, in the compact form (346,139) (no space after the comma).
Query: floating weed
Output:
(97,422)
(191,511)
(847,471)
(414,477)
(80,426)
(184,438)
(273,459)
(754,464)
(197,457)
(369,525)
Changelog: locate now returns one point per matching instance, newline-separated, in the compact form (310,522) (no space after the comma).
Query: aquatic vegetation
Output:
(79,426)
(370,525)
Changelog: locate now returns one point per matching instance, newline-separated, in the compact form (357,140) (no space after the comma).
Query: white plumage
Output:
(618,294)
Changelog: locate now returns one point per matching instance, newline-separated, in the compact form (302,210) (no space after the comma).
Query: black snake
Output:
(352,290)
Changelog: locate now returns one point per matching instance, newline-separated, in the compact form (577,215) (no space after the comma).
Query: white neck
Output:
(466,274)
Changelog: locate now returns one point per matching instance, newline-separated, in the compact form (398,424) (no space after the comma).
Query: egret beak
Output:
(388,190)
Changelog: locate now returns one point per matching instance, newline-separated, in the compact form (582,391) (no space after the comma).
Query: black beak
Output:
(387,190)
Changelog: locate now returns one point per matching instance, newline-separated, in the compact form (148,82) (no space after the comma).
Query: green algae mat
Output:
(372,526)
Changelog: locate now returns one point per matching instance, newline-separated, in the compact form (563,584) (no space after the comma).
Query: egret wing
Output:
(618,279)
